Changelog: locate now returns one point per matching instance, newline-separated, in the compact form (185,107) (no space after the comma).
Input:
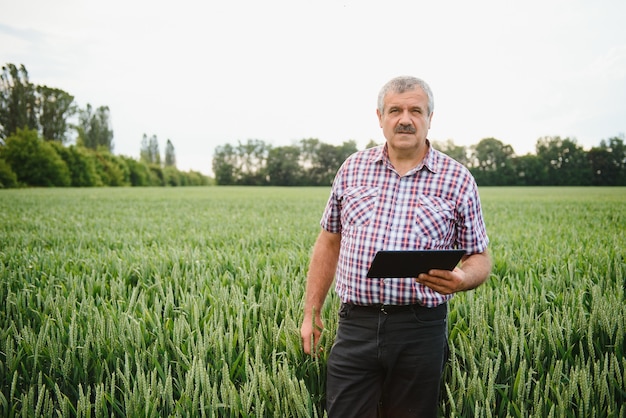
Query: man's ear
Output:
(380,118)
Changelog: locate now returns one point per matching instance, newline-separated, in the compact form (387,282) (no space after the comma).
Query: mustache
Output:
(404,129)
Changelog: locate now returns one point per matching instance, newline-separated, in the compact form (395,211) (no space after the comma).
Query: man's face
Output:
(405,120)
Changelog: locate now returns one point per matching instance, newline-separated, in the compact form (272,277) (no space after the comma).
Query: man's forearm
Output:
(321,271)
(477,268)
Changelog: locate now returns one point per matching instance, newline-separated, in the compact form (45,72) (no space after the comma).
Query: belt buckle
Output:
(382,309)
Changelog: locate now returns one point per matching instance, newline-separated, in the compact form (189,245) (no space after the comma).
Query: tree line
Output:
(254,162)
(36,123)
(26,159)
(557,162)
(309,162)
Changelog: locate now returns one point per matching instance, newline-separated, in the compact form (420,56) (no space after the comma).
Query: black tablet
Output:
(411,263)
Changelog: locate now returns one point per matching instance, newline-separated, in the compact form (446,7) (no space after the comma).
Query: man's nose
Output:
(405,117)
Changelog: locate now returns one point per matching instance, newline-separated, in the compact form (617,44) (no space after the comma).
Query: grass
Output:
(187,301)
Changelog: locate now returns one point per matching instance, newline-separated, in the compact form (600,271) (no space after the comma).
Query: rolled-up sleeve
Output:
(331,218)
(471,231)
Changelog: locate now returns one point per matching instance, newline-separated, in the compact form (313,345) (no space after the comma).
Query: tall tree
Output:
(608,163)
(225,165)
(155,153)
(94,128)
(321,161)
(18,101)
(492,162)
(144,152)
(490,154)
(566,161)
(371,144)
(24,105)
(529,171)
(170,154)
(55,107)
(283,168)
(252,156)
(458,152)
(149,152)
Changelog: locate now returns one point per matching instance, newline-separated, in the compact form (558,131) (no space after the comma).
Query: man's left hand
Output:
(473,272)
(443,281)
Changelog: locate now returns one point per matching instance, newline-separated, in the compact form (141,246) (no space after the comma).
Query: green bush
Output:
(171,176)
(156,175)
(8,178)
(35,161)
(112,170)
(139,172)
(81,163)
(31,161)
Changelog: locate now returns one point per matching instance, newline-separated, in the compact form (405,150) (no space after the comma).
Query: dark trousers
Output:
(387,363)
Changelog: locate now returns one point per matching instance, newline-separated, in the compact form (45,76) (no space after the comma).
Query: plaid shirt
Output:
(433,206)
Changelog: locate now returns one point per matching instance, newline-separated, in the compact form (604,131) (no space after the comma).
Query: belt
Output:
(392,309)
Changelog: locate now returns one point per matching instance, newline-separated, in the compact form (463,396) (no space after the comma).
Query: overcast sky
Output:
(207,73)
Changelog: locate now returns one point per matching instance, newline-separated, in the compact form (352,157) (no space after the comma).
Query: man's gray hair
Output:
(402,84)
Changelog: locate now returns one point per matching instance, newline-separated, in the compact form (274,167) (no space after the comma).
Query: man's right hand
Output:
(308,330)
(319,278)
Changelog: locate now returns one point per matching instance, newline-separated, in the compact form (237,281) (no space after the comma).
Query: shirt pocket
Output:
(434,220)
(358,206)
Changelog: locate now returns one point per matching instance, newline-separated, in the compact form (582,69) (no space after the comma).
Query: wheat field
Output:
(187,302)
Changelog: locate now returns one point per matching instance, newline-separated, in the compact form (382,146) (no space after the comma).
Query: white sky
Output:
(207,73)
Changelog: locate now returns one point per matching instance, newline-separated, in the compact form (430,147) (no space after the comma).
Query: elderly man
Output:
(391,341)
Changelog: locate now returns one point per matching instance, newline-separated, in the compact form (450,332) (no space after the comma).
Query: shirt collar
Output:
(430,161)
